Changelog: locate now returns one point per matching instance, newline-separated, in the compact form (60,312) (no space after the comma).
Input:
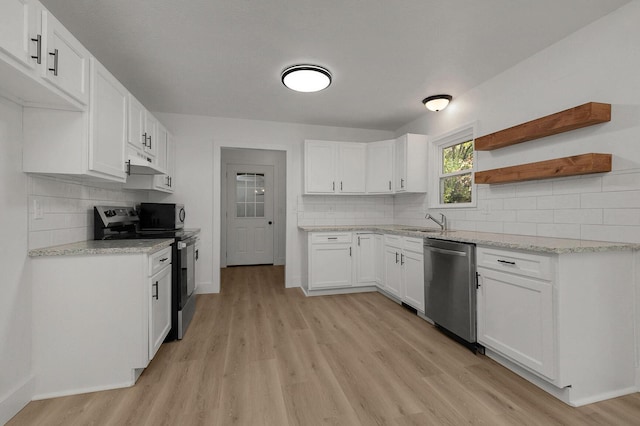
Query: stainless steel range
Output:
(111,222)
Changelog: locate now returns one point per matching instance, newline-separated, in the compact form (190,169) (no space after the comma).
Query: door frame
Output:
(290,198)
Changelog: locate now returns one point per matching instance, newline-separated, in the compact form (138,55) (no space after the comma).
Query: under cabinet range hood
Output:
(138,165)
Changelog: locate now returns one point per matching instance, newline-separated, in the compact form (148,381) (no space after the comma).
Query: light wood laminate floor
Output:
(259,354)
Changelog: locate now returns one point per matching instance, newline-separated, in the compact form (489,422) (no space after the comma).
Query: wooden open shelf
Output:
(574,118)
(568,166)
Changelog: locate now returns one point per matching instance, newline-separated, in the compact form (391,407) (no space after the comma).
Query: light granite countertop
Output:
(92,247)
(511,241)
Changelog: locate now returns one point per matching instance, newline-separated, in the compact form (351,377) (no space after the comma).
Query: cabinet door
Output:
(161,144)
(413,279)
(166,150)
(67,61)
(379,259)
(400,165)
(151,129)
(515,319)
(365,259)
(159,309)
(17,28)
(380,167)
(352,169)
(107,125)
(319,164)
(330,265)
(392,271)
(136,123)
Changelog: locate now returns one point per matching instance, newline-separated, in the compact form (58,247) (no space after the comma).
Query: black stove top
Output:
(178,234)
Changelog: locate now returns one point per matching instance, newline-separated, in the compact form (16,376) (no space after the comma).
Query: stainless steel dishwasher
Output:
(450,288)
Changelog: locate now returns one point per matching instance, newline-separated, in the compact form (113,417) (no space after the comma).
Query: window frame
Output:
(437,146)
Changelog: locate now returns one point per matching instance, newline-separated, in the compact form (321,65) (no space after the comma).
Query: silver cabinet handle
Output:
(164,259)
(334,186)
(396,257)
(401,258)
(38,56)
(128,169)
(349,251)
(389,185)
(55,62)
(340,185)
(358,241)
(401,183)
(155,296)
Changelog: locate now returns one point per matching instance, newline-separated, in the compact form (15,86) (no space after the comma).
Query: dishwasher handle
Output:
(445,251)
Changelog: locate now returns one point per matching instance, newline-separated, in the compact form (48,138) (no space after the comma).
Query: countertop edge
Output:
(81,248)
(564,245)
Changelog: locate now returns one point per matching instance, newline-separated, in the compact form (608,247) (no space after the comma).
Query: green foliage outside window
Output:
(456,188)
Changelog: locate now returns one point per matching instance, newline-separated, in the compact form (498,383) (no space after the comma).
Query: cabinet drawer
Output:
(515,262)
(393,240)
(414,244)
(159,260)
(330,237)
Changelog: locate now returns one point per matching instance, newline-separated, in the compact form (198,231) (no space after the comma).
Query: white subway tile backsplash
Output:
(522,203)
(520,228)
(559,230)
(535,216)
(593,216)
(577,185)
(625,234)
(569,201)
(620,199)
(629,217)
(621,182)
(534,189)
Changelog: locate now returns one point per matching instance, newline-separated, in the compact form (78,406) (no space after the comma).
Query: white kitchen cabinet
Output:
(412,263)
(66,60)
(555,319)
(380,160)
(166,160)
(96,321)
(89,144)
(330,260)
(365,258)
(404,269)
(17,28)
(160,306)
(410,167)
(136,133)
(334,167)
(28,32)
(379,259)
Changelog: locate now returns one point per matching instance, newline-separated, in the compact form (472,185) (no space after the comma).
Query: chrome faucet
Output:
(442,223)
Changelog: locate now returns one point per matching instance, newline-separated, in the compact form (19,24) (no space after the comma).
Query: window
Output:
(453,173)
(249,195)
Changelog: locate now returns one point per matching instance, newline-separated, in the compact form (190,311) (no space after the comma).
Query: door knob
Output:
(270,222)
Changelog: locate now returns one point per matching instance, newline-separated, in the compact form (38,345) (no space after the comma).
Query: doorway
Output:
(253,207)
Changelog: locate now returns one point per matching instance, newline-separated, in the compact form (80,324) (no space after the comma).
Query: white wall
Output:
(277,159)
(199,141)
(329,210)
(598,63)
(16,383)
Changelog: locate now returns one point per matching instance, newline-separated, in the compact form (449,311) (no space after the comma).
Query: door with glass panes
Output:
(249,215)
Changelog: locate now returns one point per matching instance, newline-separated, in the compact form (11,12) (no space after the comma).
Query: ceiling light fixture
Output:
(306,78)
(437,102)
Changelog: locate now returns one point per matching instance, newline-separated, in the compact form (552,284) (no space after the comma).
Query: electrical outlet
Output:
(38,211)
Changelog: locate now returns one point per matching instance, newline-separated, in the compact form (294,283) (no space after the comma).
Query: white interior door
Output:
(249,215)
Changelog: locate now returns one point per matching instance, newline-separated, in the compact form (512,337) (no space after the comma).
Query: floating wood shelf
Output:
(568,166)
(563,121)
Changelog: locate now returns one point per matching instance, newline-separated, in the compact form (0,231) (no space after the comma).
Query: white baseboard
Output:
(16,399)
(83,390)
(206,288)
(332,291)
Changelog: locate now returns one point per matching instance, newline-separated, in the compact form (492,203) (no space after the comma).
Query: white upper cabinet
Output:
(334,167)
(41,63)
(151,135)
(351,168)
(380,159)
(108,123)
(17,28)
(66,60)
(137,123)
(82,144)
(410,168)
(384,167)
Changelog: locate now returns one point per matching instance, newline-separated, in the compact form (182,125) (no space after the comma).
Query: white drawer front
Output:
(159,260)
(330,237)
(515,262)
(414,244)
(393,240)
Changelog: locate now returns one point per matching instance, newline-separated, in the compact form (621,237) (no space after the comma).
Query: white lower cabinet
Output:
(98,320)
(365,258)
(404,269)
(515,318)
(378,255)
(558,319)
(330,260)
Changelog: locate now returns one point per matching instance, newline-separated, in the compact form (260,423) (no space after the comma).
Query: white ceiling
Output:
(224,58)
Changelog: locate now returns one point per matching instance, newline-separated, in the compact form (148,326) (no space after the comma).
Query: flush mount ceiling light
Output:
(306,78)
(437,102)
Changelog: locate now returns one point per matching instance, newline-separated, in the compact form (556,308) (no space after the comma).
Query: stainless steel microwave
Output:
(161,216)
